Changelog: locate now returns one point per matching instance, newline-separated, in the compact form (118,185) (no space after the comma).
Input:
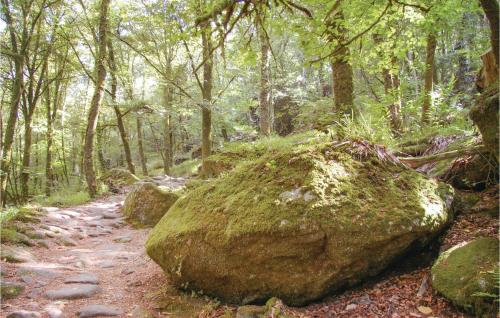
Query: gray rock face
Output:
(98,311)
(83,278)
(24,314)
(73,292)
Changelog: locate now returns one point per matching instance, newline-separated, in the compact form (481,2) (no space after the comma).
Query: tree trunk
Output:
(119,116)
(264,109)
(391,88)
(206,114)
(428,78)
(342,75)
(25,172)
(140,146)
(101,159)
(93,115)
(15,100)
(167,129)
(491,9)
(49,173)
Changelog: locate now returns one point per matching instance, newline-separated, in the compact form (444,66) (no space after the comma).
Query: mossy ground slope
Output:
(296,224)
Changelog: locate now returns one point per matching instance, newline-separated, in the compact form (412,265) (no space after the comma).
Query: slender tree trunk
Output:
(391,88)
(206,114)
(428,78)
(119,116)
(264,100)
(88,158)
(491,9)
(142,157)
(167,127)
(49,171)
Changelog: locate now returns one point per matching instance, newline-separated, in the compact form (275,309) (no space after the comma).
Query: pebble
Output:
(73,292)
(127,271)
(98,310)
(351,307)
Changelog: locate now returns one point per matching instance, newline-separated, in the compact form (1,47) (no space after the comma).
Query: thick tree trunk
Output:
(264,100)
(428,78)
(15,100)
(342,75)
(119,116)
(206,114)
(88,158)
(491,9)
(142,157)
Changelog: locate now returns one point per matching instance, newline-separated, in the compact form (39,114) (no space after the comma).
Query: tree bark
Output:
(491,9)
(206,114)
(391,88)
(119,116)
(167,127)
(88,162)
(49,173)
(142,157)
(428,78)
(342,74)
(17,89)
(264,100)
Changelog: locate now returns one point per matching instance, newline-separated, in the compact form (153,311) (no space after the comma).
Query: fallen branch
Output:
(415,162)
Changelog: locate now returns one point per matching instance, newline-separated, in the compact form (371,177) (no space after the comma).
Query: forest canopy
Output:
(147,85)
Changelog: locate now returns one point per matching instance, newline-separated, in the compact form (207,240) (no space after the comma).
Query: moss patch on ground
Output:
(463,271)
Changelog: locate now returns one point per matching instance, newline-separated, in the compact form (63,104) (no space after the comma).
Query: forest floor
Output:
(92,257)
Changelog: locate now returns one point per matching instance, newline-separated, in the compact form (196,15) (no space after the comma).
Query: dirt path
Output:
(91,257)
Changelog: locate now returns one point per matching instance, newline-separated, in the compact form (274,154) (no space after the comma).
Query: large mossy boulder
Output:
(146,204)
(297,224)
(467,275)
(117,178)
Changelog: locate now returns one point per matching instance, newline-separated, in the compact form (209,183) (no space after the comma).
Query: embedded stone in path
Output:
(122,239)
(109,215)
(98,311)
(107,264)
(24,314)
(83,278)
(14,254)
(73,292)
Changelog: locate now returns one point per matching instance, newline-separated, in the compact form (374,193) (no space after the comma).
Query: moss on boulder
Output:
(297,224)
(485,115)
(146,204)
(235,153)
(116,178)
(465,270)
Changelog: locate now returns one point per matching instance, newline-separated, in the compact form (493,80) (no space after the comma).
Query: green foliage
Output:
(494,277)
(187,168)
(65,198)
